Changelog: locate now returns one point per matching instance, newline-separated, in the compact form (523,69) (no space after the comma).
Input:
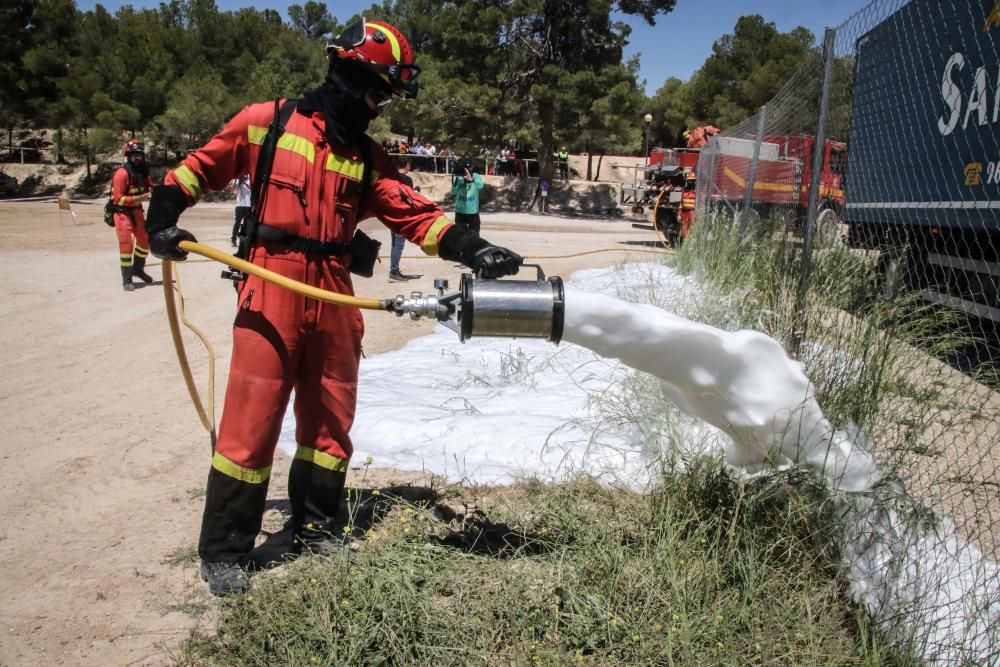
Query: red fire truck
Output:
(784,171)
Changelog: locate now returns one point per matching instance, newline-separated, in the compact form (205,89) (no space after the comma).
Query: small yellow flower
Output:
(369,461)
(675,617)
(718,645)
(250,598)
(376,492)
(673,628)
(345,603)
(312,580)
(313,659)
(718,619)
(309,526)
(346,529)
(635,638)
(657,627)
(614,621)
(681,562)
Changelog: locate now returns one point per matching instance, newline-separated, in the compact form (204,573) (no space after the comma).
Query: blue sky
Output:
(676,46)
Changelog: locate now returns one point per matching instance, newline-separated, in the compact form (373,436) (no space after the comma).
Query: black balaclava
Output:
(137,173)
(341,98)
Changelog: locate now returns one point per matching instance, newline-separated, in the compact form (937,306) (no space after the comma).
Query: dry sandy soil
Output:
(103,456)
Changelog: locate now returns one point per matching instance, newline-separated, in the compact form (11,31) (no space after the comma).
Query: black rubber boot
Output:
(315,493)
(139,270)
(225,578)
(127,279)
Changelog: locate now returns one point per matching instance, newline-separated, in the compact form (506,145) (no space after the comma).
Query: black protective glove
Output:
(485,259)
(165,208)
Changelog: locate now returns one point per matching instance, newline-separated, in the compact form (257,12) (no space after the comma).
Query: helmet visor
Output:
(352,36)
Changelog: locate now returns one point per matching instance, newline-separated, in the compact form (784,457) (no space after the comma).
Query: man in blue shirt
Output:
(465,185)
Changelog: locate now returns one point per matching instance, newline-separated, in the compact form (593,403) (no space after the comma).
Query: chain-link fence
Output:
(859,211)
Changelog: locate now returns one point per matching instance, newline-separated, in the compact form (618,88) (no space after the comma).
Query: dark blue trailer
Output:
(923,183)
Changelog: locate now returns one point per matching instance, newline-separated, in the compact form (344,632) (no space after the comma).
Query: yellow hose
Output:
(282,281)
(206,409)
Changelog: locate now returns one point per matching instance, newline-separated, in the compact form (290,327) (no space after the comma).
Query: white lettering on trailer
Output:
(952,94)
(979,97)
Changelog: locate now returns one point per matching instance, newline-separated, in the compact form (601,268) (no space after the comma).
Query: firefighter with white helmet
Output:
(327,176)
(130,186)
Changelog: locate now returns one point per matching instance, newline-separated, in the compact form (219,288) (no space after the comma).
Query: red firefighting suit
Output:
(283,341)
(129,220)
(687,211)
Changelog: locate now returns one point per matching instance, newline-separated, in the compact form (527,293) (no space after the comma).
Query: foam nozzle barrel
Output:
(496,308)
(512,308)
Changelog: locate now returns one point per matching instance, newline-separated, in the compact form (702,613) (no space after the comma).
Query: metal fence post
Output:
(814,182)
(752,178)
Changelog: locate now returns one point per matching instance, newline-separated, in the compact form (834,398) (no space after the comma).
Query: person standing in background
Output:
(241,186)
(465,185)
(398,240)
(130,186)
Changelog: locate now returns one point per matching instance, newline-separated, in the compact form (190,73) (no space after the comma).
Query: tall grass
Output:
(704,571)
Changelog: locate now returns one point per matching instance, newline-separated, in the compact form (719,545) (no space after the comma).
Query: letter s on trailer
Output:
(923,181)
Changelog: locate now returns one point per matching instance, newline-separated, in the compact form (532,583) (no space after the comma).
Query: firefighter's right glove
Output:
(165,208)
(485,259)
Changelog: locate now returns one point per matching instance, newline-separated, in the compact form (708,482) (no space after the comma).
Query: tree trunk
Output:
(546,146)
(600,158)
(86,153)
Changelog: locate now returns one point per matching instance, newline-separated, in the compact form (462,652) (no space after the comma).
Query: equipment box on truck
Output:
(923,174)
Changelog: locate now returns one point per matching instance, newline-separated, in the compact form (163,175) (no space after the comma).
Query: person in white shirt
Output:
(241,186)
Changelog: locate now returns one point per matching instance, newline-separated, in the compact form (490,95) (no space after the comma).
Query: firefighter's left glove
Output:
(485,259)
(165,208)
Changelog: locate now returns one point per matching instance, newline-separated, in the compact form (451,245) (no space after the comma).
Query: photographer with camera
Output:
(465,186)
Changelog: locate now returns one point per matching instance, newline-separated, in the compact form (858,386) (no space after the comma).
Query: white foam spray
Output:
(741,382)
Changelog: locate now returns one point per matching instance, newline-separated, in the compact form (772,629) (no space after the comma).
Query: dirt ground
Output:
(103,456)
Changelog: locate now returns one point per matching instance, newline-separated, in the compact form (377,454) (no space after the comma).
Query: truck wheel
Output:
(829,232)
(891,269)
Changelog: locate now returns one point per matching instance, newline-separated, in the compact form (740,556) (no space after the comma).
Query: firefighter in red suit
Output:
(282,341)
(130,187)
(688,198)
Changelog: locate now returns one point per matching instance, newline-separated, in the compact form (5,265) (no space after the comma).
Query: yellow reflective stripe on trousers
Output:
(140,251)
(227,467)
(321,459)
(289,142)
(430,244)
(189,180)
(125,260)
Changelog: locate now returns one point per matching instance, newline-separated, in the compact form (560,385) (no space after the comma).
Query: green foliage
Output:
(537,74)
(745,70)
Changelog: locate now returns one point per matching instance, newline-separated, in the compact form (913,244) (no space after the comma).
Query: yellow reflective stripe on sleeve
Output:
(121,202)
(256,134)
(189,180)
(353,169)
(227,467)
(430,244)
(320,459)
